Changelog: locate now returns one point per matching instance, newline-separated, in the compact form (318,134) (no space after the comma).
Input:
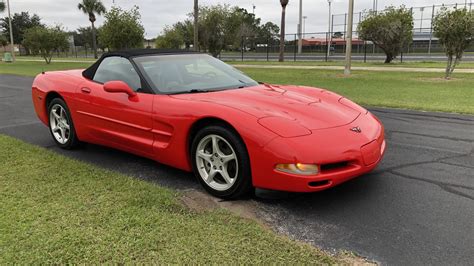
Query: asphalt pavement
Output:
(416,208)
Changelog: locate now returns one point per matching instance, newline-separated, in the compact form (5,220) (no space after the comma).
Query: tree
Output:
(239,24)
(21,22)
(391,30)
(455,31)
(122,29)
(171,39)
(220,27)
(179,35)
(3,41)
(45,40)
(2,6)
(268,30)
(212,28)
(283,3)
(91,8)
(83,37)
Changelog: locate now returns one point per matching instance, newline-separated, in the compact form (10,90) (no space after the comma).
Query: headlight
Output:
(298,168)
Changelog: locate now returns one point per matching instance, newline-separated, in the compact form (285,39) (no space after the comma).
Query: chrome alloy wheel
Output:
(217,162)
(59,124)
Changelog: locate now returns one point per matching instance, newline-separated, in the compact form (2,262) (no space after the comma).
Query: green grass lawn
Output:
(85,59)
(420,91)
(56,210)
(34,68)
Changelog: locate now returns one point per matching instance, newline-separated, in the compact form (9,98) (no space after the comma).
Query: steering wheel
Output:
(210,75)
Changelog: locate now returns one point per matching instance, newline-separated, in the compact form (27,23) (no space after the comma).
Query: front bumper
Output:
(341,153)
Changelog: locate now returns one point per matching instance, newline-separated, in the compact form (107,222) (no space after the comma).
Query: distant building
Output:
(335,41)
(149,43)
(421,42)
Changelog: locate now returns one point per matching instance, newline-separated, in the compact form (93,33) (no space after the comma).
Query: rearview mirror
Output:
(115,86)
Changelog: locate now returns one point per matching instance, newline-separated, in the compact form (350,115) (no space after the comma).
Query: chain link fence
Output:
(326,46)
(323,46)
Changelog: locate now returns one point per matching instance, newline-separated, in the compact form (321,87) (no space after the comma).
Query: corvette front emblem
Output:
(356,129)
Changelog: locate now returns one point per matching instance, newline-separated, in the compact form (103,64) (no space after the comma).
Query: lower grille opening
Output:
(334,166)
(318,183)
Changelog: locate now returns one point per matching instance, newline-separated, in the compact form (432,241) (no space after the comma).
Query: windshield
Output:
(190,73)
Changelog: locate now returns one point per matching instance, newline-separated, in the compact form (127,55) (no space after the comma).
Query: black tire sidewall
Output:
(243,184)
(73,141)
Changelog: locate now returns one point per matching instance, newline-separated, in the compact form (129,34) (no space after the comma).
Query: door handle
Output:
(86,90)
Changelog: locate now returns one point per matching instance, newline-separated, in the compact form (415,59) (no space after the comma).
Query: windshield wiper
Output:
(192,91)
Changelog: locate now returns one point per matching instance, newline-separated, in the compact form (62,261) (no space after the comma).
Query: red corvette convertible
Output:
(196,113)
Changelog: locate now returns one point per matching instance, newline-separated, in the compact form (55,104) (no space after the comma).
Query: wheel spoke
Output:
(204,156)
(228,158)
(211,175)
(226,176)
(63,134)
(56,116)
(62,114)
(55,128)
(215,146)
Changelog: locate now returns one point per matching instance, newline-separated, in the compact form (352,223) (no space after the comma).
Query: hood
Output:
(312,108)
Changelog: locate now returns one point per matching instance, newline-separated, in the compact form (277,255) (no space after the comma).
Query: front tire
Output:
(61,125)
(221,162)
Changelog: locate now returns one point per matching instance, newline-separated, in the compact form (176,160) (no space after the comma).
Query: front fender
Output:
(174,118)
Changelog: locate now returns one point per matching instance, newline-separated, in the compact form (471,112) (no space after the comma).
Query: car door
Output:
(116,119)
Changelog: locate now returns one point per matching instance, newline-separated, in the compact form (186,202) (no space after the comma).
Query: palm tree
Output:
(91,8)
(283,3)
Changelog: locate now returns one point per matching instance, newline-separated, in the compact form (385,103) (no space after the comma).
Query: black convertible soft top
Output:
(90,71)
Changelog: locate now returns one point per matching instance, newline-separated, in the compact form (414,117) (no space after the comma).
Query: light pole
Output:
(12,44)
(329,31)
(304,25)
(422,9)
(375,5)
(300,36)
(196,32)
(253,6)
(347,69)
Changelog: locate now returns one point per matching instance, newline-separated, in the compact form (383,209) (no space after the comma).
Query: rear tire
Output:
(221,163)
(61,126)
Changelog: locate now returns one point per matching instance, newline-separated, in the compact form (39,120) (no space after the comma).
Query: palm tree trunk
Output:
(282,35)
(196,22)
(94,40)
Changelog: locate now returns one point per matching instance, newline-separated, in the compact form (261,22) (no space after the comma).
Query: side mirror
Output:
(116,86)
